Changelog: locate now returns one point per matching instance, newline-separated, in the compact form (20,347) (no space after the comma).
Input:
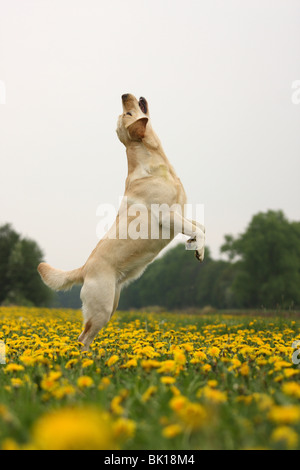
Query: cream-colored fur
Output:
(118,260)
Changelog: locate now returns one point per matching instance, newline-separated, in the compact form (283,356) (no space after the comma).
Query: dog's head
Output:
(133,123)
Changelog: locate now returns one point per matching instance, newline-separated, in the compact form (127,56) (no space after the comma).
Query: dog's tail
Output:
(60,280)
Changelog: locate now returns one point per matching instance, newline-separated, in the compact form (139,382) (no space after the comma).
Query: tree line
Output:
(261,270)
(20,283)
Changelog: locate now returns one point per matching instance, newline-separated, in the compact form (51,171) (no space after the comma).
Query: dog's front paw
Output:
(200,255)
(197,244)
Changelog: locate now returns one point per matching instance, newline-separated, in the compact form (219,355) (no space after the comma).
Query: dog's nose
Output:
(125,97)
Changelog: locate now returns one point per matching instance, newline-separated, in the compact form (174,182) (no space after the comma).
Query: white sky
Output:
(218,78)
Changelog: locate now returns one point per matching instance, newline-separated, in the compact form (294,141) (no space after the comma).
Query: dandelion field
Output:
(150,381)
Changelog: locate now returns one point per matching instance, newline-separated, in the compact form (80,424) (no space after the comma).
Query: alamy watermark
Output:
(155,221)
(2,353)
(296,353)
(2,92)
(296,93)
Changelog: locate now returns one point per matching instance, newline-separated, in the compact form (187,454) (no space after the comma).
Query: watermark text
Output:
(296,353)
(152,221)
(296,93)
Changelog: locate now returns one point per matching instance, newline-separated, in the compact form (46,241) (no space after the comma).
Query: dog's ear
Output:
(137,129)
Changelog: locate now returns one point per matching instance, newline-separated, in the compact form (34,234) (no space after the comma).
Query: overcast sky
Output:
(218,77)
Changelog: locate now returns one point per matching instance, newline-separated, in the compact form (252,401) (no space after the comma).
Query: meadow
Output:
(150,381)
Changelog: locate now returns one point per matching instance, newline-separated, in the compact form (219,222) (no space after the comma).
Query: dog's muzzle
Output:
(143,105)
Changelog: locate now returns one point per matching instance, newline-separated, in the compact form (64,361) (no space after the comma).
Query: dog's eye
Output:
(129,113)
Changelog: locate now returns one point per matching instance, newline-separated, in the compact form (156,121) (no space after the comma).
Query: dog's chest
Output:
(156,189)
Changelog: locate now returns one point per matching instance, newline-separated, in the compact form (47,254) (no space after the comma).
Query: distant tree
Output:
(215,286)
(20,282)
(68,299)
(263,270)
(267,262)
(177,280)
(8,238)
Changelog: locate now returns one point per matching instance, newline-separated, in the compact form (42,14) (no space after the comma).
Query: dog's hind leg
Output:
(116,299)
(98,297)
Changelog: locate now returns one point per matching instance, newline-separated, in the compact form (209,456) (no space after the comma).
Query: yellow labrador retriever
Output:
(152,189)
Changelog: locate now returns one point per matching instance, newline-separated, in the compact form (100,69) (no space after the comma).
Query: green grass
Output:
(234,383)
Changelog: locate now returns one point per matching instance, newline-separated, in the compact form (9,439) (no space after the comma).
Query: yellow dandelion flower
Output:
(130,363)
(244,369)
(177,402)
(286,436)
(235,364)
(179,356)
(115,405)
(261,361)
(172,431)
(101,352)
(200,355)
(279,378)
(112,360)
(167,380)
(212,383)
(148,351)
(124,428)
(214,351)
(196,359)
(13,368)
(16,383)
(278,365)
(87,363)
(63,391)
(84,428)
(212,395)
(5,414)
(48,384)
(85,381)
(264,401)
(55,375)
(27,360)
(167,367)
(188,346)
(105,382)
(175,391)
(148,393)
(149,364)
(193,415)
(71,363)
(247,399)
(285,414)
(290,372)
(9,444)
(291,389)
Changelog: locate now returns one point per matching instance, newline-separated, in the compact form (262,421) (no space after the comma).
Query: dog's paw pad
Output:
(191,244)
